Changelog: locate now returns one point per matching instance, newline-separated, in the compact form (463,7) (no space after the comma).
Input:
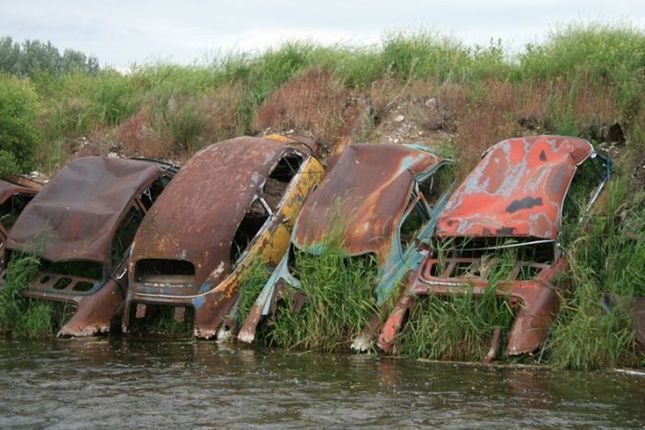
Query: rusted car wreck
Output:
(513,199)
(81,225)
(232,203)
(381,194)
(13,199)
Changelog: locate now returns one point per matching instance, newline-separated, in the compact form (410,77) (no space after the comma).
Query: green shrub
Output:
(18,128)
(612,54)
(8,164)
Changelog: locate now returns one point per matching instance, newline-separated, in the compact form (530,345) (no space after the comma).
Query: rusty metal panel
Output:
(8,189)
(367,192)
(75,216)
(517,190)
(196,218)
(536,300)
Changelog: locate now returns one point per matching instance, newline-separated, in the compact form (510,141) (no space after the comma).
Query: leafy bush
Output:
(18,129)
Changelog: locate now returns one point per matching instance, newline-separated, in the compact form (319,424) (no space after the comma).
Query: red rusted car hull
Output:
(513,198)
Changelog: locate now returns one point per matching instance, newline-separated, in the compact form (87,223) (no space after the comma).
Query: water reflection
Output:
(109,382)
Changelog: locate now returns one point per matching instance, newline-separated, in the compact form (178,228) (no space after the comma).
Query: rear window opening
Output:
(522,249)
(250,226)
(584,185)
(158,271)
(287,167)
(11,209)
(149,196)
(413,221)
(130,223)
(125,234)
(411,225)
(432,187)
(280,177)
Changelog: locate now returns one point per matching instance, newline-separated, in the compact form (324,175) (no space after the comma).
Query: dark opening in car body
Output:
(14,197)
(513,199)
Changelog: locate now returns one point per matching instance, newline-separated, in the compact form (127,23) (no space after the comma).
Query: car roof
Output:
(75,215)
(366,194)
(516,190)
(197,216)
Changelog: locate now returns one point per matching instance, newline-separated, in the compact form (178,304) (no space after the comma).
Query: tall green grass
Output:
(253,280)
(606,256)
(21,317)
(19,134)
(461,326)
(340,302)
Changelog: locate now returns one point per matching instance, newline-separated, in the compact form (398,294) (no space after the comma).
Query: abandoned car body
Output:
(374,193)
(81,225)
(13,199)
(512,200)
(232,203)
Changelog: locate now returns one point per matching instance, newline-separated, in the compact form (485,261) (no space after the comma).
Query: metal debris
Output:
(516,192)
(231,203)
(81,225)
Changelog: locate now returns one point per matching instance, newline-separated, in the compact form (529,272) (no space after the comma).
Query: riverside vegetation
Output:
(583,81)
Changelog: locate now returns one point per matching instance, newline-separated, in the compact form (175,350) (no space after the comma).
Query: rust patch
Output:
(368,191)
(75,216)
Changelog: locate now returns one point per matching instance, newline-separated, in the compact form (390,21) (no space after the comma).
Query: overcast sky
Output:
(121,32)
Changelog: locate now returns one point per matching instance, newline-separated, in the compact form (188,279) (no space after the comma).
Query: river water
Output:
(112,382)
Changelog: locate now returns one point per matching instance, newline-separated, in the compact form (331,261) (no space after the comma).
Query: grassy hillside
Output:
(585,81)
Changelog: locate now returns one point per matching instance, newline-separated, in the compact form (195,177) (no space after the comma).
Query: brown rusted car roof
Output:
(367,192)
(516,190)
(196,217)
(7,189)
(75,216)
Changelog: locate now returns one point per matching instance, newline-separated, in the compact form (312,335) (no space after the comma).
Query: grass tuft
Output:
(458,327)
(340,302)
(19,316)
